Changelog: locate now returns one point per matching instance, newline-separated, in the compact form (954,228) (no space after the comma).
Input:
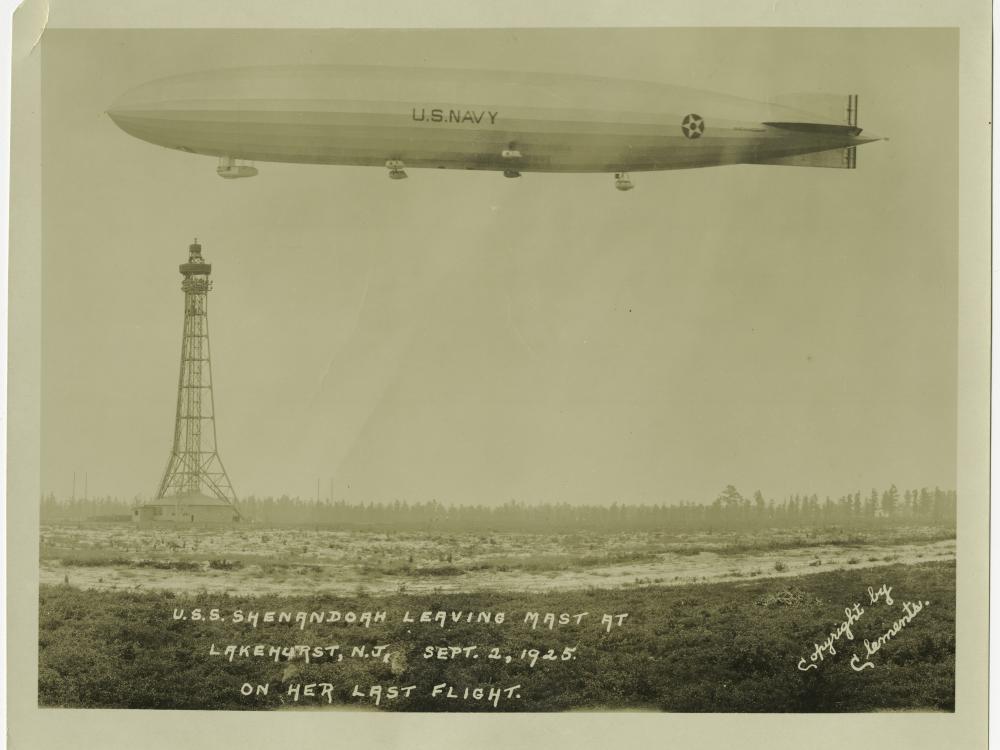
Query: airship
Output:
(508,122)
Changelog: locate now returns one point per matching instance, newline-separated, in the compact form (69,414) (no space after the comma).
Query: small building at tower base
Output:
(186,510)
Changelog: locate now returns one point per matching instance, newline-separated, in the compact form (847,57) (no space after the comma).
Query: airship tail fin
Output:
(835,158)
(834,109)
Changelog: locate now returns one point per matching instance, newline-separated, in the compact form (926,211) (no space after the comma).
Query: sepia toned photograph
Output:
(500,371)
(537,390)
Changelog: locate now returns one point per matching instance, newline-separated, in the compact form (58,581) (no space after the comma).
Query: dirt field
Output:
(253,561)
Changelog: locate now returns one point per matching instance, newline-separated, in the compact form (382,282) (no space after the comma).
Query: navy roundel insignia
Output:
(693,126)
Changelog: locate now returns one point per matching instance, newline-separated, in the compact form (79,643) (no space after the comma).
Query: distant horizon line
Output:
(140,498)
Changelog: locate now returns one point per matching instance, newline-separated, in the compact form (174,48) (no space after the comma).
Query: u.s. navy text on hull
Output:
(484,116)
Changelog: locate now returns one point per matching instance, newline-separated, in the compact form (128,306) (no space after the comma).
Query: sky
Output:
(462,337)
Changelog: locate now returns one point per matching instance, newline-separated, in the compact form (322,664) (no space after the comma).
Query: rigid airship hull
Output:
(454,119)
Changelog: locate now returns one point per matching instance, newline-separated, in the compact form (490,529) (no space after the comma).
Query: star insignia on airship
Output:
(693,126)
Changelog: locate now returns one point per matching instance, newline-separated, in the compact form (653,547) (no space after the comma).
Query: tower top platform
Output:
(196,265)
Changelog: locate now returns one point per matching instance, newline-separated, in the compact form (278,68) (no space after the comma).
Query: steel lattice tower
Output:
(194,466)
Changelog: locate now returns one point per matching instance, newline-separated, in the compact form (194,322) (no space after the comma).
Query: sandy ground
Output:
(337,562)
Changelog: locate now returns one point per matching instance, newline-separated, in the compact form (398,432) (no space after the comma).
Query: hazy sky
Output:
(473,339)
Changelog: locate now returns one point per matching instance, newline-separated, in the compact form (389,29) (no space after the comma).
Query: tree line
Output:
(731,509)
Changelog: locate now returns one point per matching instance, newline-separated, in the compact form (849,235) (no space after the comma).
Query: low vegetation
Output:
(724,647)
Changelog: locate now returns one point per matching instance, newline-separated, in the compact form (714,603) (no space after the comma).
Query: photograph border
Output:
(32,727)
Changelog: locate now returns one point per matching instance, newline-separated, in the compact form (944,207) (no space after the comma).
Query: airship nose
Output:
(126,107)
(116,112)
(146,97)
(150,112)
(170,97)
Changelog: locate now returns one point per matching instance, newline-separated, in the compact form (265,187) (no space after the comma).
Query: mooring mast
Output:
(194,467)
